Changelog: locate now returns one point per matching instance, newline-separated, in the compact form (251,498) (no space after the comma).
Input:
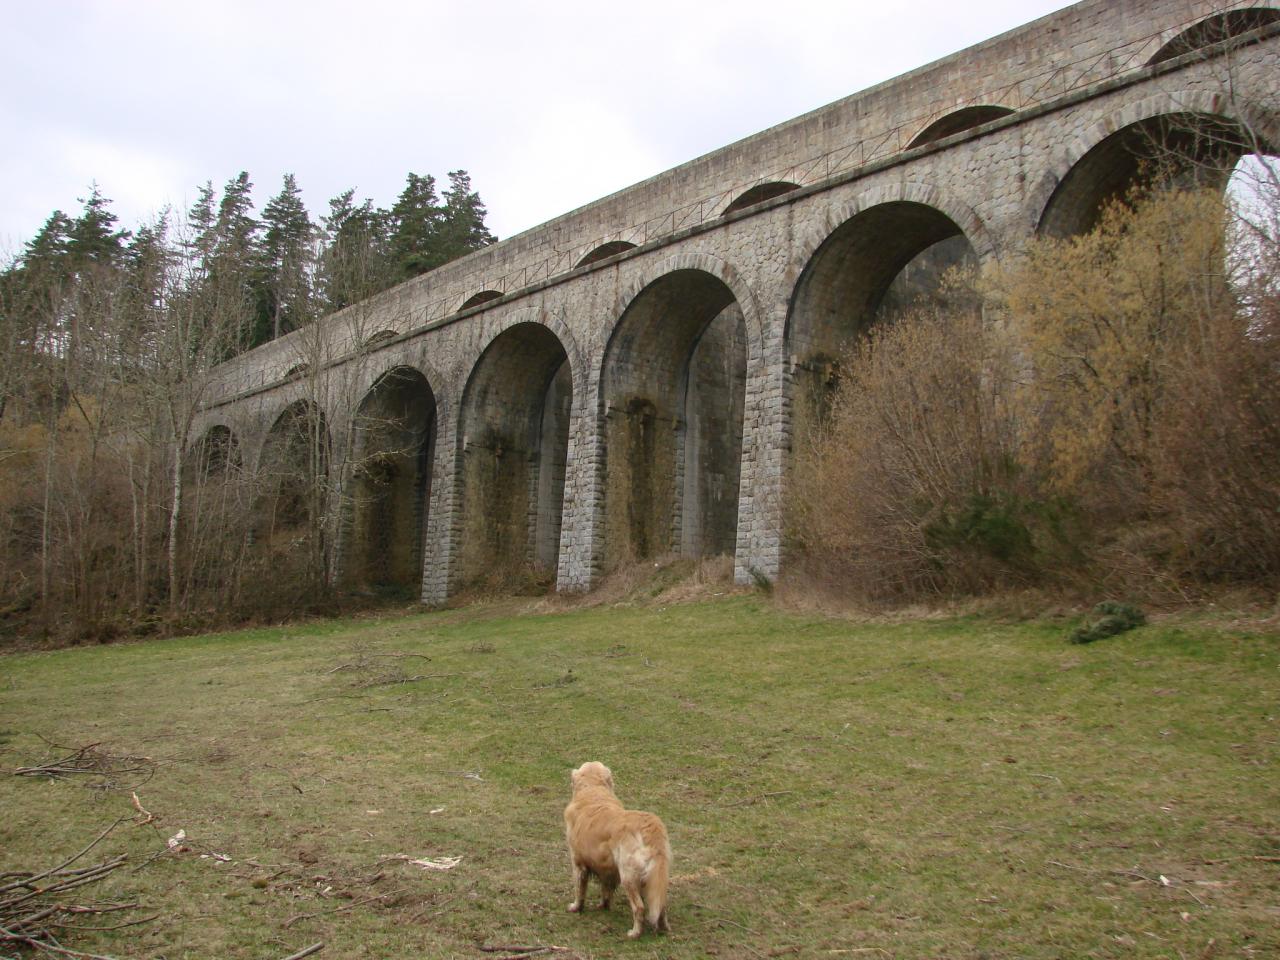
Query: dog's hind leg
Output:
(608,884)
(580,877)
(631,887)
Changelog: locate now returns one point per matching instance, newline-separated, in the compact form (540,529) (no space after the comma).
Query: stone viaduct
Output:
(625,381)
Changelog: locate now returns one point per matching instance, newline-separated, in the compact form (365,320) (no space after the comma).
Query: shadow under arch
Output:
(759,194)
(1216,29)
(389,492)
(215,516)
(604,252)
(1165,141)
(292,479)
(672,396)
(484,296)
(966,118)
(884,258)
(513,437)
(216,454)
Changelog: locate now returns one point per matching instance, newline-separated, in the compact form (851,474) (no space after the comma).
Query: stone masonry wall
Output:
(1072,79)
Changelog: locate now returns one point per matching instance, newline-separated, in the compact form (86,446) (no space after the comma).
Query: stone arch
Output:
(215,454)
(722,270)
(759,194)
(875,256)
(292,480)
(1215,29)
(966,118)
(1104,160)
(484,296)
(672,398)
(604,251)
(388,495)
(513,438)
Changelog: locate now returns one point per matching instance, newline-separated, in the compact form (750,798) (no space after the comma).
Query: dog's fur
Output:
(616,846)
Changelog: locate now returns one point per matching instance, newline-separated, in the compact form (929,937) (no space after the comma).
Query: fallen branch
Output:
(149,817)
(314,948)
(1256,858)
(362,661)
(36,911)
(87,760)
(391,680)
(758,797)
(348,906)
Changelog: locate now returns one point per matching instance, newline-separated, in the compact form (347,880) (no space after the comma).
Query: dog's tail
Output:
(655,889)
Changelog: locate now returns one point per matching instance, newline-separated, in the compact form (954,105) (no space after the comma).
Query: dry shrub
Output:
(1154,355)
(913,485)
(1113,423)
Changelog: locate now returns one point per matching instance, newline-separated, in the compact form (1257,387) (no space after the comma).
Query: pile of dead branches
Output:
(38,910)
(89,760)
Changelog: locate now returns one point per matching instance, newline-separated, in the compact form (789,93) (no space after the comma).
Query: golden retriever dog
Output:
(616,846)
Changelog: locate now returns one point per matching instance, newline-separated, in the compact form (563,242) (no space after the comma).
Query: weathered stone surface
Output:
(622,404)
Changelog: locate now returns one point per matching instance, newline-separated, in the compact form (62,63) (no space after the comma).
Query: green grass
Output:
(942,788)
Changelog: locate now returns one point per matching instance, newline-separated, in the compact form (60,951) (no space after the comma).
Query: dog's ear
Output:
(608,778)
(573,776)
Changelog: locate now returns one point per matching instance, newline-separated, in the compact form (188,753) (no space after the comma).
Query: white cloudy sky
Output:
(548,106)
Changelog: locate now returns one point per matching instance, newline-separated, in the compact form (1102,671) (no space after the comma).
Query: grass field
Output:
(954,788)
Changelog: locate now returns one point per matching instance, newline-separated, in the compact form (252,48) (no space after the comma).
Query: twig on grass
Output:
(314,948)
(347,906)
(746,801)
(732,923)
(147,814)
(361,662)
(392,680)
(1255,858)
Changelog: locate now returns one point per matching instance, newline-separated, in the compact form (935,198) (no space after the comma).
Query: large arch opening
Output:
(673,391)
(293,474)
(390,491)
(1216,29)
(887,259)
(966,118)
(1176,149)
(515,444)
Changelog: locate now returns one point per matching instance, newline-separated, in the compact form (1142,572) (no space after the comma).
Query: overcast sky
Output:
(548,106)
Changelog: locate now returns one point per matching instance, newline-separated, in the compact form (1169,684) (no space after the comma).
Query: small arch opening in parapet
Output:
(297,371)
(484,296)
(1216,29)
(381,337)
(604,251)
(759,194)
(966,118)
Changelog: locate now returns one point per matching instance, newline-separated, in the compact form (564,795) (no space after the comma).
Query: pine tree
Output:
(90,239)
(356,260)
(230,270)
(463,229)
(203,223)
(282,284)
(415,227)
